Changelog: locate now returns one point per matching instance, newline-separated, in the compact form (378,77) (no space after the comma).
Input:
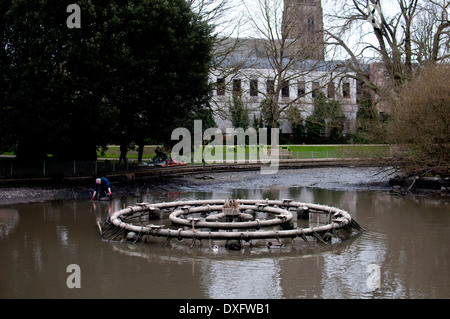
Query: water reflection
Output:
(104,209)
(9,218)
(405,238)
(348,271)
(258,278)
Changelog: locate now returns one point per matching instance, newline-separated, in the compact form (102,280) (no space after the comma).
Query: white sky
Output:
(238,13)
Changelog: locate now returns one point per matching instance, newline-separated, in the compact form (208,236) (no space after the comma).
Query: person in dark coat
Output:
(102,187)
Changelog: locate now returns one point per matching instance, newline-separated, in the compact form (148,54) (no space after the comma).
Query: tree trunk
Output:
(140,150)
(123,153)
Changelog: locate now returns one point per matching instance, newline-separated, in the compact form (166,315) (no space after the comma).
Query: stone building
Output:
(303,22)
(249,71)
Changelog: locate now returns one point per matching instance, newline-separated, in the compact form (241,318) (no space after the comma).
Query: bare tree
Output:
(420,128)
(220,15)
(397,30)
(411,40)
(431,33)
(283,48)
(223,17)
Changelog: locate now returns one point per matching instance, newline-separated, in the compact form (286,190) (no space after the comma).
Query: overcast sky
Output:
(239,13)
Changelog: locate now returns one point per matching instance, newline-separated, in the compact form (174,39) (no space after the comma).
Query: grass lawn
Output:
(337,151)
(114,152)
(298,151)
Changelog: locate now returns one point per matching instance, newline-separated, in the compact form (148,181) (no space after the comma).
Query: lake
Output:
(404,252)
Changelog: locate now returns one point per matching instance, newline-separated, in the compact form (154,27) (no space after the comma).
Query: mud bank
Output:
(332,178)
(335,178)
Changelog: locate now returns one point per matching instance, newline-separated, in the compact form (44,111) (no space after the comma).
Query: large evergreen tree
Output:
(168,55)
(53,100)
(135,69)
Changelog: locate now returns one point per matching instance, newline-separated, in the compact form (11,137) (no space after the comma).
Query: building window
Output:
(253,87)
(331,90)
(310,24)
(301,89)
(220,86)
(285,89)
(315,89)
(237,87)
(346,90)
(271,87)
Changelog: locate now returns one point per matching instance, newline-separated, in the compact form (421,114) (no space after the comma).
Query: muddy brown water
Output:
(404,253)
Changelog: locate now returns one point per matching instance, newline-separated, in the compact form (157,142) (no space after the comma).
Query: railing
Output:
(14,169)
(9,168)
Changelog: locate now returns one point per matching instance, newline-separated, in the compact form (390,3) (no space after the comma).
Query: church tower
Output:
(303,22)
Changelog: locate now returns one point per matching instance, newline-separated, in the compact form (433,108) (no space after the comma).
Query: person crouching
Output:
(102,187)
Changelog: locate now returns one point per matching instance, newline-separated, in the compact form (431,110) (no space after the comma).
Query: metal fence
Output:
(9,168)
(15,169)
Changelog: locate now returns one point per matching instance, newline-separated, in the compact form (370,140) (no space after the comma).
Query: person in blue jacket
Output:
(102,187)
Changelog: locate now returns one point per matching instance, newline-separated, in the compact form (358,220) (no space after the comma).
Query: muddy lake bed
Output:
(404,247)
